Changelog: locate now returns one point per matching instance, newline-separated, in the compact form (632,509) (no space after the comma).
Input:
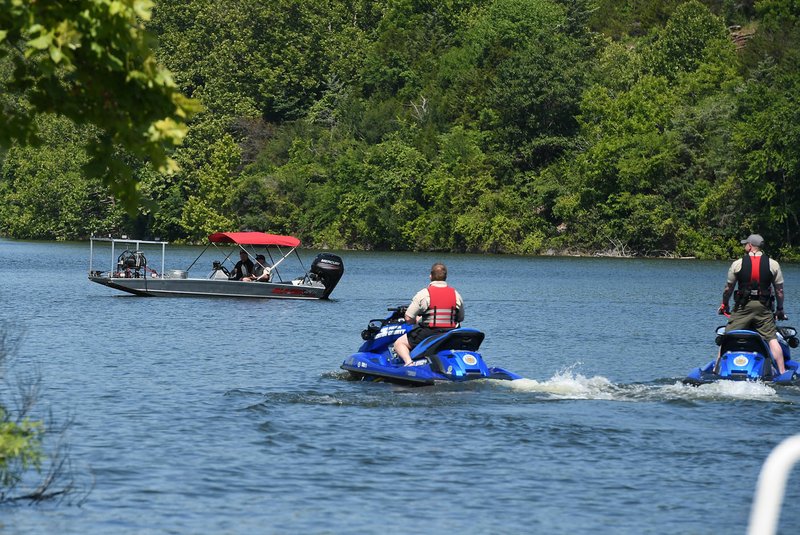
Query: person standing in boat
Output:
(439,308)
(261,271)
(243,268)
(756,275)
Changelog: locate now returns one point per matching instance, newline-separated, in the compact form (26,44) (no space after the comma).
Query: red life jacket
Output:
(442,310)
(755,278)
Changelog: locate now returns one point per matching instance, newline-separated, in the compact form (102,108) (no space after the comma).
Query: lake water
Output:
(194,415)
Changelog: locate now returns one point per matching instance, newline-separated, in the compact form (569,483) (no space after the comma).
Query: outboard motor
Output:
(328,268)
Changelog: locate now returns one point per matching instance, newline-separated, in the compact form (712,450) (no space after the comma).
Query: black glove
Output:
(781,315)
(724,310)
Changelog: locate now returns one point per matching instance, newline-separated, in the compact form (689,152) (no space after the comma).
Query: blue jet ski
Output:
(451,356)
(745,356)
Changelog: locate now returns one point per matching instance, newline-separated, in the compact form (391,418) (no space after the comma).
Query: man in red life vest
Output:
(756,275)
(439,308)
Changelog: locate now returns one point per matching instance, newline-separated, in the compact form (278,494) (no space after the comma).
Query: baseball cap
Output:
(260,257)
(754,239)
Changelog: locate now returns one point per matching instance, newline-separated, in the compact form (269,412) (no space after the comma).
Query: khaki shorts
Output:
(753,316)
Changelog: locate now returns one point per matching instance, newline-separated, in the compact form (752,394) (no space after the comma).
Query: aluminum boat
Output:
(130,270)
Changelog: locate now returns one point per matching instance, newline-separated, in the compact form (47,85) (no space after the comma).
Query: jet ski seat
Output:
(743,341)
(457,339)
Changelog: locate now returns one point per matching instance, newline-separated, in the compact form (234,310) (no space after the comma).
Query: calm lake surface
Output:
(194,415)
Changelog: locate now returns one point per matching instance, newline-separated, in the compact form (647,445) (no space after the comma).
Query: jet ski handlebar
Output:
(397,315)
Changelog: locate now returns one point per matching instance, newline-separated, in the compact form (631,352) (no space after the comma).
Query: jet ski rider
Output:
(439,308)
(756,275)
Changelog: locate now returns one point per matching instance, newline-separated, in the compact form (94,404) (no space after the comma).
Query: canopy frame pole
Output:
(285,256)
(195,260)
(301,263)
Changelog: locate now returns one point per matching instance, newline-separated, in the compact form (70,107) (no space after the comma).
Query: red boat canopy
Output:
(254,238)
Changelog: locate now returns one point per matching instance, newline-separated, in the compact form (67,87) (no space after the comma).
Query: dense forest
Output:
(649,127)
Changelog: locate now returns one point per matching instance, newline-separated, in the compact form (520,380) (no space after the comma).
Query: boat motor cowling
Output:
(329,268)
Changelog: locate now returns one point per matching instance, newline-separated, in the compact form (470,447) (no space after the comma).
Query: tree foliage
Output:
(514,126)
(92,61)
(21,448)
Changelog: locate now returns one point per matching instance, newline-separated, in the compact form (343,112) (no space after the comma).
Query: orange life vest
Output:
(442,310)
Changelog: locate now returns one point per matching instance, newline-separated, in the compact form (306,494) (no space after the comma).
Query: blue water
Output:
(193,415)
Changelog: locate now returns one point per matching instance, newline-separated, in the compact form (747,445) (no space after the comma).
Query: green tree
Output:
(20,449)
(768,138)
(249,58)
(775,37)
(21,438)
(206,210)
(690,37)
(91,61)
(481,125)
(44,193)
(656,143)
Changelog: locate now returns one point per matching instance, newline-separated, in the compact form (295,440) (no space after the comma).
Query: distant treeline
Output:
(655,127)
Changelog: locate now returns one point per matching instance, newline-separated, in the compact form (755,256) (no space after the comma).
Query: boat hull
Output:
(180,287)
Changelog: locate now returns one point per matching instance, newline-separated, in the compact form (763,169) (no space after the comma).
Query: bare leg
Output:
(403,349)
(777,352)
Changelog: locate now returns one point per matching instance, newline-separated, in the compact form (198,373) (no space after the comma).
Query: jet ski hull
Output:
(447,357)
(745,356)
(448,366)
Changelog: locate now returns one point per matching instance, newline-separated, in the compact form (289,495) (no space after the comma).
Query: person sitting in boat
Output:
(261,270)
(756,276)
(439,308)
(243,268)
